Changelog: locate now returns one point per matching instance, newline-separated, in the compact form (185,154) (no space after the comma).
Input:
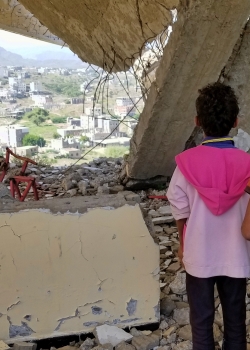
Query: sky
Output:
(27,47)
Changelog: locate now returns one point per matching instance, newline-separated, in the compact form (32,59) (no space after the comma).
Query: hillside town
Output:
(78,122)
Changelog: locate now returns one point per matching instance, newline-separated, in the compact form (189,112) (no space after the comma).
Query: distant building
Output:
(26,151)
(74,121)
(93,111)
(76,100)
(71,131)
(124,101)
(70,142)
(36,86)
(42,100)
(4,72)
(116,141)
(123,111)
(87,122)
(71,152)
(43,70)
(23,75)
(13,135)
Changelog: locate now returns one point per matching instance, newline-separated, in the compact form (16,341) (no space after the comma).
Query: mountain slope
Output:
(8,58)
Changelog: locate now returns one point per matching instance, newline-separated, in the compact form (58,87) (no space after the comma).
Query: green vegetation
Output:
(63,86)
(33,140)
(37,116)
(116,151)
(56,135)
(59,120)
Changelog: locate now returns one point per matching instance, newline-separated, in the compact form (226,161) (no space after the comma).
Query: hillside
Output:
(8,58)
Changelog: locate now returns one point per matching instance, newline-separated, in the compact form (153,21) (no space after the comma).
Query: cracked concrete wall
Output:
(108,33)
(64,274)
(15,18)
(201,43)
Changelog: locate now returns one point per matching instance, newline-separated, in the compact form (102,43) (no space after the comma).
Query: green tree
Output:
(33,140)
(84,139)
(56,135)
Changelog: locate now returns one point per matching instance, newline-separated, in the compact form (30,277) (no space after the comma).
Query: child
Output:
(207,198)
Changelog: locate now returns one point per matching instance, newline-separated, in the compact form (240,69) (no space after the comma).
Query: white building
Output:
(71,131)
(4,72)
(41,100)
(43,70)
(36,86)
(93,111)
(26,151)
(70,142)
(71,152)
(124,101)
(13,135)
(87,122)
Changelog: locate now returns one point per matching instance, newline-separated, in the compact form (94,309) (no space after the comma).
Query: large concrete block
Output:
(65,273)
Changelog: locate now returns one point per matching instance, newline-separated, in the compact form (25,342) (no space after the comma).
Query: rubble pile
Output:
(99,176)
(103,176)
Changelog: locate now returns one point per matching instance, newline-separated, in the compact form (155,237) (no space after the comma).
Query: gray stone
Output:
(72,192)
(178,286)
(82,185)
(67,184)
(88,344)
(167,306)
(163,220)
(124,346)
(135,333)
(146,342)
(165,210)
(115,189)
(133,197)
(185,332)
(185,345)
(106,334)
(181,316)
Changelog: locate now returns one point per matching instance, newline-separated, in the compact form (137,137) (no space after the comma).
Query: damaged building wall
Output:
(15,18)
(65,273)
(201,43)
(108,33)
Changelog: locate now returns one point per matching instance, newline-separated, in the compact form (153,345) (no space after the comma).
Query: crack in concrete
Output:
(139,17)
(62,320)
(6,225)
(80,240)
(12,305)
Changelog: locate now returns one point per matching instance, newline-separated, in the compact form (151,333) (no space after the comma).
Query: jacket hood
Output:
(219,175)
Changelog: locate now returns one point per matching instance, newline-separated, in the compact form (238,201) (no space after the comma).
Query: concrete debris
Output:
(124,346)
(88,344)
(4,346)
(111,335)
(144,342)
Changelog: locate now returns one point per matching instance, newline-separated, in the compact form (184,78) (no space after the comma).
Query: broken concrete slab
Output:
(110,334)
(68,242)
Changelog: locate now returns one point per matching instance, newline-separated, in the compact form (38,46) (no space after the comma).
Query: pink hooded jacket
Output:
(207,188)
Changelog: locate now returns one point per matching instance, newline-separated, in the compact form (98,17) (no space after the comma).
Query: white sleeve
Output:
(177,196)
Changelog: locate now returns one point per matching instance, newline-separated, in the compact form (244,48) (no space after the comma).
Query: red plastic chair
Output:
(15,180)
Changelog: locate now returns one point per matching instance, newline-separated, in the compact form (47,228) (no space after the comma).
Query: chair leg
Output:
(35,191)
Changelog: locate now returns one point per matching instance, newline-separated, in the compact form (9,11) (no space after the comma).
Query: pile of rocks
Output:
(99,176)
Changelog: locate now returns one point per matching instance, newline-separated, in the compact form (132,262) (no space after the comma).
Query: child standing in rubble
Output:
(208,201)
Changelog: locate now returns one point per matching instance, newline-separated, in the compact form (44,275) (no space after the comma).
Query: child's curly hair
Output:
(217,109)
